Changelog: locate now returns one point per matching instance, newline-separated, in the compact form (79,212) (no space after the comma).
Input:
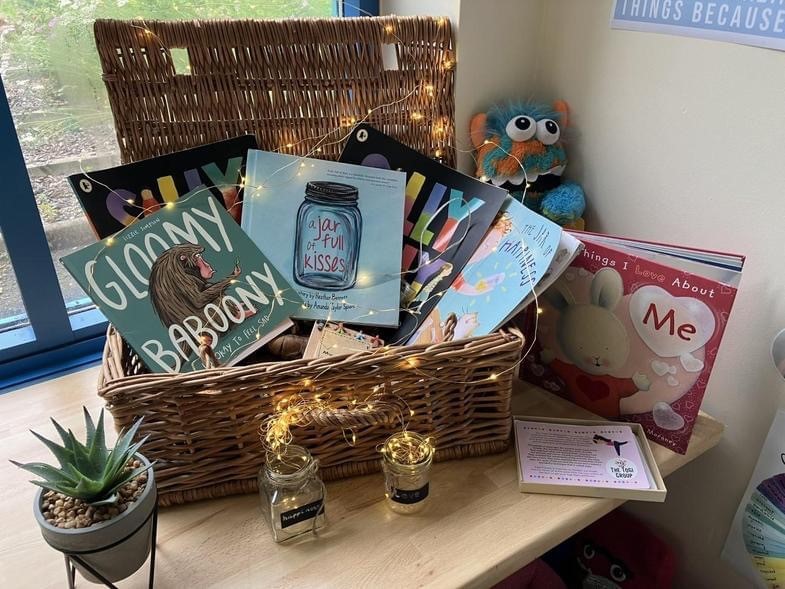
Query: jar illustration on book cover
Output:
(327,237)
(292,493)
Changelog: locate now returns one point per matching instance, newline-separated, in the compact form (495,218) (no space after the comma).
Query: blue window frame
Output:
(54,340)
(359,8)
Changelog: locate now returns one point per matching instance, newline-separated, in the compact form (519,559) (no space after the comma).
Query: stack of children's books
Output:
(385,240)
(207,255)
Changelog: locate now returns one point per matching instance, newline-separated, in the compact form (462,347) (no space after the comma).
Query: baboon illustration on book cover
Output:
(185,287)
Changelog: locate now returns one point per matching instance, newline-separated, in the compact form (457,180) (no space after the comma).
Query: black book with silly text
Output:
(446,216)
(115,197)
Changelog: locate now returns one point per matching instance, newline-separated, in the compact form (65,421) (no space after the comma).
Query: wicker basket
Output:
(204,426)
(292,83)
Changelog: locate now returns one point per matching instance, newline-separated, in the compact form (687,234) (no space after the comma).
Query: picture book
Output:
(589,458)
(631,331)
(114,198)
(446,217)
(566,251)
(330,228)
(755,546)
(509,262)
(186,287)
(335,339)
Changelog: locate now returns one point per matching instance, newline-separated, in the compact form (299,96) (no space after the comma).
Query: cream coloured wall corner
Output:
(676,139)
(683,140)
(496,42)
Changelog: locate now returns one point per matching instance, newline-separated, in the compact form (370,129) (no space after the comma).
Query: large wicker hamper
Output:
(298,85)
(204,426)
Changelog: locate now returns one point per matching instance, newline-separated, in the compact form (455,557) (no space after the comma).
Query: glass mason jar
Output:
(292,493)
(407,474)
(327,237)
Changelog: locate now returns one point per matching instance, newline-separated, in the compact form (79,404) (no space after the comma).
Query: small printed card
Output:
(334,339)
(580,455)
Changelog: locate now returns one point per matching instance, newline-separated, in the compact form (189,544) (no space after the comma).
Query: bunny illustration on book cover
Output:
(595,344)
(630,331)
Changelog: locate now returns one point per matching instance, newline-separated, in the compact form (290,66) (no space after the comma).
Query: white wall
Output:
(496,50)
(675,139)
(683,140)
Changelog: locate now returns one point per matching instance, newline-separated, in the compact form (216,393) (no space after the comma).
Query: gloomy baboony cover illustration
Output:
(445,218)
(331,229)
(186,287)
(115,197)
(632,333)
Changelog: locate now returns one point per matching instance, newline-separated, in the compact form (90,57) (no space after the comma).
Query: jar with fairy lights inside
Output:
(406,461)
(292,493)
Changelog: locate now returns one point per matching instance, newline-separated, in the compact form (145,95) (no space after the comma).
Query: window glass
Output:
(53,83)
(12,309)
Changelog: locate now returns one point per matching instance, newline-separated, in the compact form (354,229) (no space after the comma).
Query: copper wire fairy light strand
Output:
(277,427)
(407,448)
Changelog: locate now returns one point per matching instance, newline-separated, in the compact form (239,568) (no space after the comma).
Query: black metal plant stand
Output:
(75,557)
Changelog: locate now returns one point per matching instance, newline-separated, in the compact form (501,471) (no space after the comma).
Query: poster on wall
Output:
(761,24)
(755,546)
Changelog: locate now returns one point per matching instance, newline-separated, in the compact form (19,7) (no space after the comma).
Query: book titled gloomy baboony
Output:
(114,198)
(446,217)
(186,287)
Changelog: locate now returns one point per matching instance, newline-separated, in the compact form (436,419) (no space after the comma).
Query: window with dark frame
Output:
(55,121)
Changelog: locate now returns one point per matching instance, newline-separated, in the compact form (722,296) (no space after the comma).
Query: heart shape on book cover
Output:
(593,389)
(670,326)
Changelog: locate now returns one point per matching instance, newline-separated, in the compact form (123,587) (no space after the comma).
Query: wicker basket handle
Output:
(381,411)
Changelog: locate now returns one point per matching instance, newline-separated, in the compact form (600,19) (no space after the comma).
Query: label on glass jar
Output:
(409,496)
(300,514)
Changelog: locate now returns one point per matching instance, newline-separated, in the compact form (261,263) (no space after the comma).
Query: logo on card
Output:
(621,469)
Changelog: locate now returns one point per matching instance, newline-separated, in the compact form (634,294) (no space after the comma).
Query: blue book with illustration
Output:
(511,260)
(333,230)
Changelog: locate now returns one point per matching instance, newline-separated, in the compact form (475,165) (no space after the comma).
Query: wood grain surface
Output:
(477,530)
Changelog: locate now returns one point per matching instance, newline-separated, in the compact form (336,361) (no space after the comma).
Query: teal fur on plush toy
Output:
(519,147)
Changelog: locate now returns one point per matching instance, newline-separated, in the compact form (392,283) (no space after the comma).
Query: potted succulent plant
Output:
(98,505)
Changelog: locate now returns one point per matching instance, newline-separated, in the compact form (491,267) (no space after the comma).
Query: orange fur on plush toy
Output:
(519,148)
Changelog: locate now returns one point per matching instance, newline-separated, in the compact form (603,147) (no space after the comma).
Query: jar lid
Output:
(331,193)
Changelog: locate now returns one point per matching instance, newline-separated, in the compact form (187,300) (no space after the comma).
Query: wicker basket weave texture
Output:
(289,82)
(204,426)
(293,83)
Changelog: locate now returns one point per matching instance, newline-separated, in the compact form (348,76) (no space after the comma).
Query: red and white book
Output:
(631,331)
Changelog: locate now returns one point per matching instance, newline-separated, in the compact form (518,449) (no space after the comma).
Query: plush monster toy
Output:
(519,148)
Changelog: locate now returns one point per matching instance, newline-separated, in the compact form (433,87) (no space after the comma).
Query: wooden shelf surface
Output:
(477,530)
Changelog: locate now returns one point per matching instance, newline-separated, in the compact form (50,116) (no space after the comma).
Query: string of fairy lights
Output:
(314,402)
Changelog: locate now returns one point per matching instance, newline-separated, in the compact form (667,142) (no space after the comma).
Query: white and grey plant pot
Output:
(129,536)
